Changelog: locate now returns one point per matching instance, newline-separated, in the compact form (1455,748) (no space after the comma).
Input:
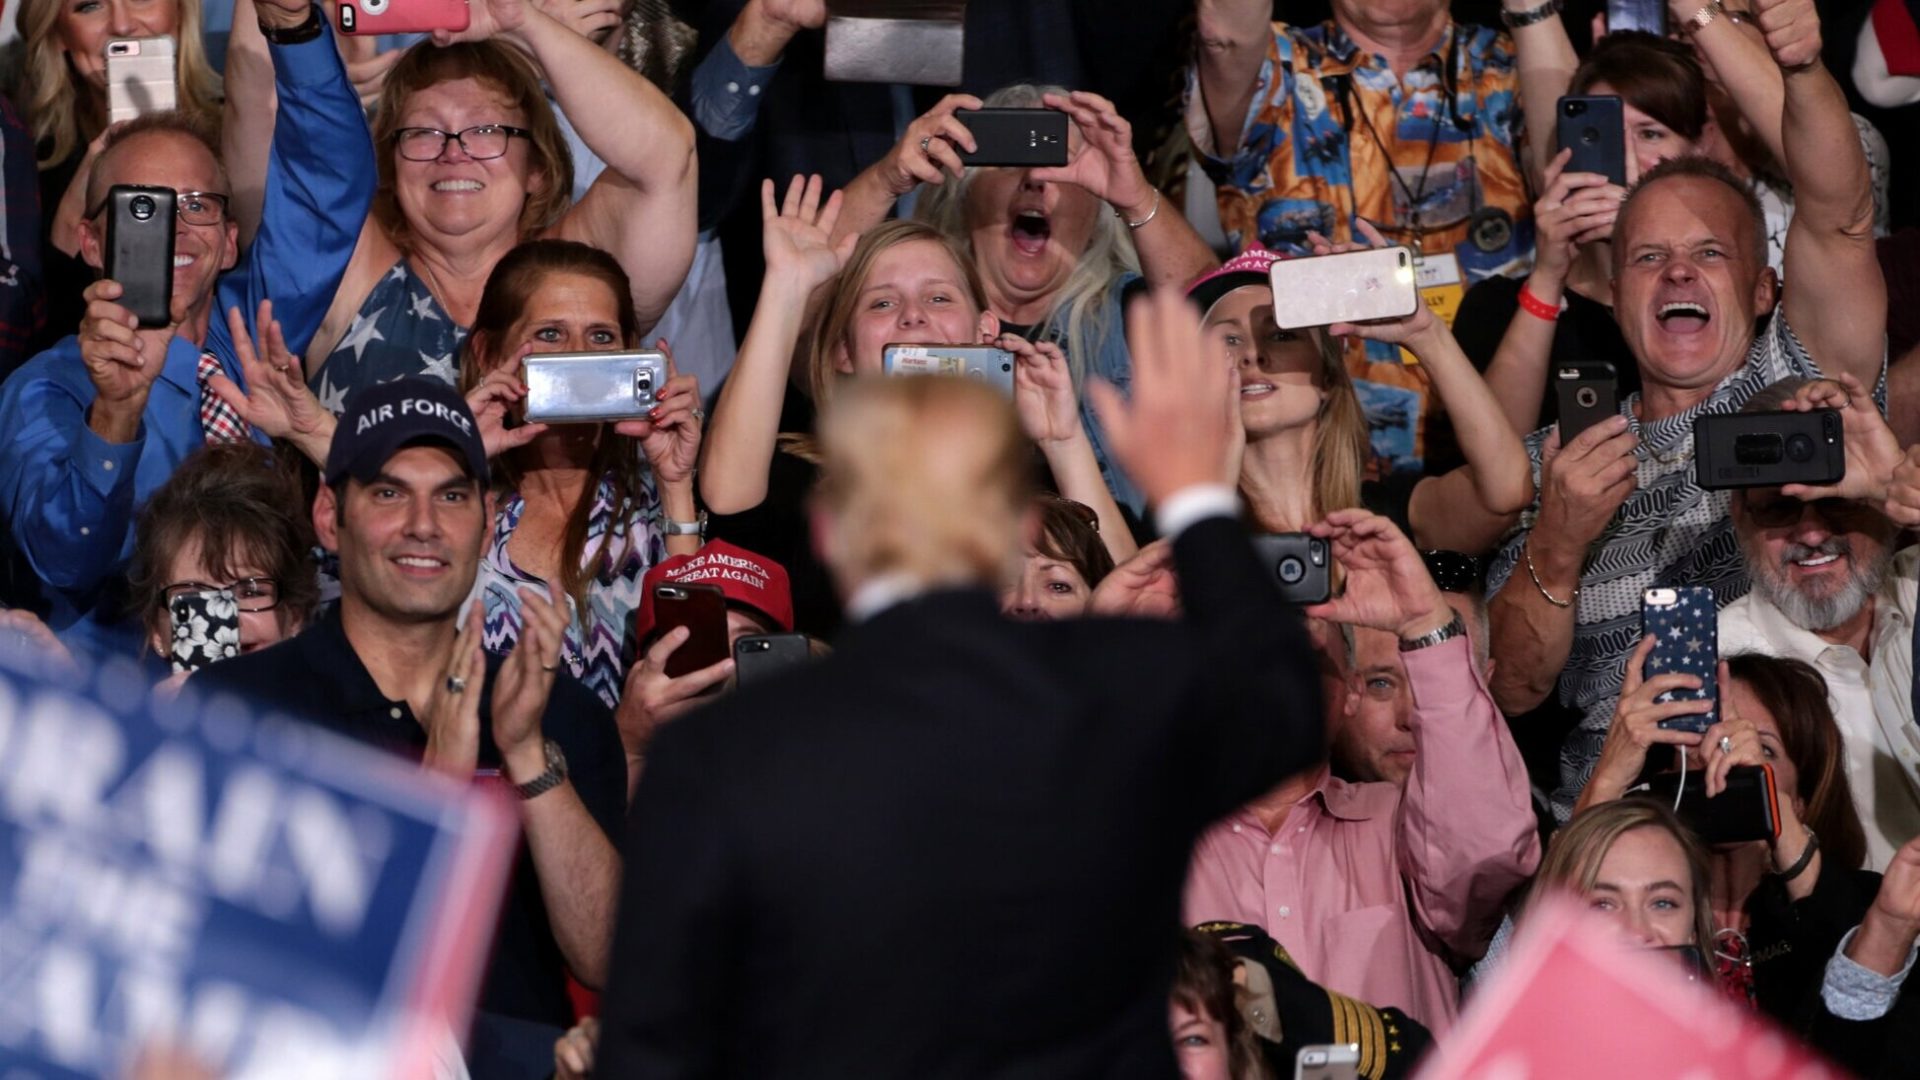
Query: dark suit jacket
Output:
(956,847)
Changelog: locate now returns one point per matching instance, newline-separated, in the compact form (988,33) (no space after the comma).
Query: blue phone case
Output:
(1687,642)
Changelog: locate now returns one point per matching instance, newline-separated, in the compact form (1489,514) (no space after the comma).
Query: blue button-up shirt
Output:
(68,496)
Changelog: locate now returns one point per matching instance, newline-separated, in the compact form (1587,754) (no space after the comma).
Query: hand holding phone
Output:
(1684,623)
(140,77)
(758,657)
(1024,138)
(993,366)
(593,387)
(1301,566)
(139,250)
(702,610)
(1367,285)
(1586,393)
(1594,128)
(206,628)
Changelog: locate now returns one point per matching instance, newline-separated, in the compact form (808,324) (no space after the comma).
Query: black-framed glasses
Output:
(192,207)
(251,594)
(1452,571)
(481,142)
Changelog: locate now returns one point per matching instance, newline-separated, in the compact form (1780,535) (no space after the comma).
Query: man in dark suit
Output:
(956,847)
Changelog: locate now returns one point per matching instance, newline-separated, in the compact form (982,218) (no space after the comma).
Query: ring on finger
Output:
(456,684)
(1726,744)
(926,142)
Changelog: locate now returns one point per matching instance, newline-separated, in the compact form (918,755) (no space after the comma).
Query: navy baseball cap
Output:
(382,419)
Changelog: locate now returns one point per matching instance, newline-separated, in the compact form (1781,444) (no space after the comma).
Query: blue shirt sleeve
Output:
(727,93)
(68,494)
(320,181)
(1853,992)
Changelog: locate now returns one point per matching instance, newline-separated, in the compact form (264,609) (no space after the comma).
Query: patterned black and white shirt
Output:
(1669,532)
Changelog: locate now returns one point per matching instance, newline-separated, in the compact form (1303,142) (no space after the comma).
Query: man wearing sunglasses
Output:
(1828,590)
(97,423)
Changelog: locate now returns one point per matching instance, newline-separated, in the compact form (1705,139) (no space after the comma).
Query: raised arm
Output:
(925,154)
(1533,613)
(1050,413)
(1545,63)
(1836,298)
(319,182)
(1232,40)
(643,208)
(739,445)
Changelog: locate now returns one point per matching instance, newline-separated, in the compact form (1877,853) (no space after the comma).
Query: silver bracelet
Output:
(1150,214)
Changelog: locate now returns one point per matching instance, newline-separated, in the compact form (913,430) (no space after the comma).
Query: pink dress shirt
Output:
(1378,894)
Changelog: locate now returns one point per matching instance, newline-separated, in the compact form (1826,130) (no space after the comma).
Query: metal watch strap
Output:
(546,781)
(1453,629)
(297,35)
(696,527)
(1517,19)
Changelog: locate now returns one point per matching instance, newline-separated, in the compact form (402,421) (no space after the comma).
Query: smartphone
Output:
(759,656)
(1587,393)
(140,250)
(1301,565)
(1595,129)
(1648,15)
(1350,287)
(983,362)
(1685,623)
(592,387)
(1327,1061)
(1742,450)
(402,16)
(1024,137)
(206,628)
(140,77)
(701,609)
(1749,809)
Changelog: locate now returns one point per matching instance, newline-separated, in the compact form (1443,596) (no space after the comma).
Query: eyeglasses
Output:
(1452,571)
(192,207)
(1783,510)
(481,143)
(251,594)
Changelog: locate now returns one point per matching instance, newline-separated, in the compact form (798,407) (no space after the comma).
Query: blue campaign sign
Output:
(273,898)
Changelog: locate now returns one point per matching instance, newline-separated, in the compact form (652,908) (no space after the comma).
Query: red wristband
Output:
(1537,307)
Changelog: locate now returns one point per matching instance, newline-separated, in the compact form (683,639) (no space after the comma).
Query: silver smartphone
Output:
(983,362)
(583,388)
(1350,287)
(1328,1061)
(140,77)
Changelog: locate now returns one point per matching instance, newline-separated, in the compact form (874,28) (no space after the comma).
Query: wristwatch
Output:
(696,527)
(296,35)
(1453,629)
(546,781)
(1517,19)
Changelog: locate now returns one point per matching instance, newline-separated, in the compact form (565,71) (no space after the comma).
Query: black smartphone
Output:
(758,656)
(1301,565)
(1749,809)
(1769,449)
(702,609)
(1595,129)
(1648,15)
(206,628)
(1027,137)
(1685,625)
(139,252)
(1587,393)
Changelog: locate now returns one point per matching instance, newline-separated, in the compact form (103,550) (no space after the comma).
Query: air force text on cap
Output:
(413,407)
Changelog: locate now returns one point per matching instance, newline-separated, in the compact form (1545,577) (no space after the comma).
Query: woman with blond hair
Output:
(1305,451)
(62,95)
(901,282)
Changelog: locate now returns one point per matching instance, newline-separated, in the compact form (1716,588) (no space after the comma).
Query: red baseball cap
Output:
(1247,268)
(750,581)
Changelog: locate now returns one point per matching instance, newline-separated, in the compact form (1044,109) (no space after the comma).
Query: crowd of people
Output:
(1059,782)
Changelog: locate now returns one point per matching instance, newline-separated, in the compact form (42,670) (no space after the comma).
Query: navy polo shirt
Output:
(317,677)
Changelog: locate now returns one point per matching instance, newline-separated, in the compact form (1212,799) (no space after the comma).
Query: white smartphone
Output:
(140,77)
(1350,287)
(1328,1061)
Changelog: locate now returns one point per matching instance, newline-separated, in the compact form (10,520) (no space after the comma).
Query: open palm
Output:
(798,234)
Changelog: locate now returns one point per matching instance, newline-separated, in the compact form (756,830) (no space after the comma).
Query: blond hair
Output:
(1340,443)
(1082,307)
(924,477)
(66,114)
(1572,862)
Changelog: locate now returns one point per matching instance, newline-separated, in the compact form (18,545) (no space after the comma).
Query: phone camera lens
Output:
(141,207)
(1291,570)
(1590,136)
(1576,108)
(1587,397)
(1799,448)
